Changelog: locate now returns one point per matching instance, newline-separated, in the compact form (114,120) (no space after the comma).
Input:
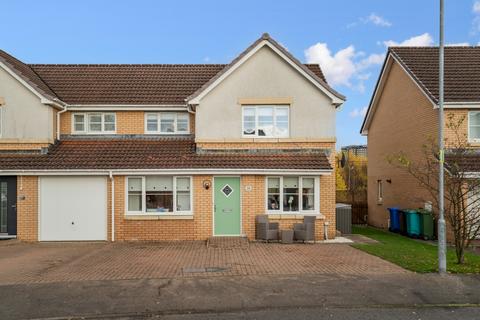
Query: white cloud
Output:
(373,18)
(476,7)
(357,112)
(373,59)
(423,40)
(476,19)
(206,59)
(376,20)
(345,65)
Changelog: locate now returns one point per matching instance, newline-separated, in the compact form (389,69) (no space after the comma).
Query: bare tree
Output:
(462,188)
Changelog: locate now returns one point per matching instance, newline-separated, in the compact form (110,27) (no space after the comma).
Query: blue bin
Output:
(394,219)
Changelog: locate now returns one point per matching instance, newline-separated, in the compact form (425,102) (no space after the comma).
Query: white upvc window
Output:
(159,195)
(94,123)
(167,123)
(265,121)
(293,194)
(474,126)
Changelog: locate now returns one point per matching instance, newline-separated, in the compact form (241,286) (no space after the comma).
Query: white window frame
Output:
(144,211)
(315,211)
(379,191)
(158,115)
(86,124)
(470,139)
(275,107)
(1,121)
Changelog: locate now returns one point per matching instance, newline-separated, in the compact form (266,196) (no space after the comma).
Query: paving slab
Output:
(66,262)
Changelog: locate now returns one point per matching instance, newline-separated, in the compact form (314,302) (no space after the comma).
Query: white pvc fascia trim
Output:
(372,106)
(127,107)
(75,172)
(460,105)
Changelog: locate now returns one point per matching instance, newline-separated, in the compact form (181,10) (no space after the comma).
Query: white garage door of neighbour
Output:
(73,208)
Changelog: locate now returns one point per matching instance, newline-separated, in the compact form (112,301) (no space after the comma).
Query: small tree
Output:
(354,173)
(462,199)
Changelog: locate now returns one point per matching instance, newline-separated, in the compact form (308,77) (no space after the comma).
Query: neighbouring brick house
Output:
(403,115)
(165,152)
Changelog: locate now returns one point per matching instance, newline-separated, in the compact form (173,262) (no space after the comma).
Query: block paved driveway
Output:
(22,263)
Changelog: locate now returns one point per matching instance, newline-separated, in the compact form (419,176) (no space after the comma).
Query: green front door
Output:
(226,210)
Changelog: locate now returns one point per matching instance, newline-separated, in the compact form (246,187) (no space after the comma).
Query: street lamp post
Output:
(442,246)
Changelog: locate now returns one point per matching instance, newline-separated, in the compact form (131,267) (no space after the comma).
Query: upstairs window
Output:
(474,126)
(167,123)
(94,123)
(266,121)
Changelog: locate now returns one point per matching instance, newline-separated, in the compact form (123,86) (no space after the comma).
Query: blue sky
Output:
(347,37)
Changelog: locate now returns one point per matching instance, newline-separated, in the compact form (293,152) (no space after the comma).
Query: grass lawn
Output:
(412,255)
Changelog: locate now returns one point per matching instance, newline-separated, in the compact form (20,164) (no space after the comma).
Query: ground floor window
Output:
(159,195)
(291,194)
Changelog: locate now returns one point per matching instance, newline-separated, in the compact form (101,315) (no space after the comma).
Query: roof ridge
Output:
(123,64)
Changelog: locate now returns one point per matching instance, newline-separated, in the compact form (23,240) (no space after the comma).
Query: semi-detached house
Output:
(165,152)
(403,117)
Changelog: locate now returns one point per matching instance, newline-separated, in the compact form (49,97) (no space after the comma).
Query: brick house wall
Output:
(27,208)
(196,227)
(403,121)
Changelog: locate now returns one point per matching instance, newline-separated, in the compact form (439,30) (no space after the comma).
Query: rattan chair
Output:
(264,229)
(305,231)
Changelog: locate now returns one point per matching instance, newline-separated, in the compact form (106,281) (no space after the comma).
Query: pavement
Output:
(322,281)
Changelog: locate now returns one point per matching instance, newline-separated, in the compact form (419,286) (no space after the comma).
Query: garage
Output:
(73,208)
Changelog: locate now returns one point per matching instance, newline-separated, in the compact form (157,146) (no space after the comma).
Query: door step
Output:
(227,242)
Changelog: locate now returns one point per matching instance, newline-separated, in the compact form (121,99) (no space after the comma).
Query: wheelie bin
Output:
(394,219)
(427,224)
(403,222)
(413,223)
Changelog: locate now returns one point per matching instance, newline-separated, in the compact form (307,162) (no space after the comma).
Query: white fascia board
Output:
(23,82)
(461,105)
(414,81)
(379,87)
(109,107)
(102,172)
(197,99)
(372,106)
(472,175)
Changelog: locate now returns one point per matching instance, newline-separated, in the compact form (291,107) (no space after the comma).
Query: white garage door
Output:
(73,208)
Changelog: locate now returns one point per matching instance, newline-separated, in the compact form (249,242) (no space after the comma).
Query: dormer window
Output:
(167,123)
(94,123)
(265,121)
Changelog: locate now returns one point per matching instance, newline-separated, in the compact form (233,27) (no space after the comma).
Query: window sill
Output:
(296,216)
(158,217)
